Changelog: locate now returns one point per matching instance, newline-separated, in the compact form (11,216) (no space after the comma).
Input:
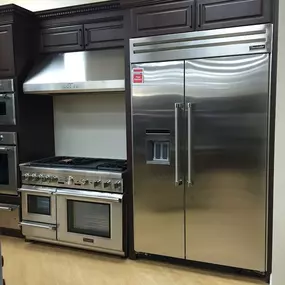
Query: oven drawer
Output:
(38,204)
(39,230)
(9,216)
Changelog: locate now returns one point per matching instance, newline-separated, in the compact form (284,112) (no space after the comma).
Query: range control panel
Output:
(75,181)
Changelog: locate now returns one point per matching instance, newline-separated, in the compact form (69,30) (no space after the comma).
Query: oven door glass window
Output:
(4,169)
(39,205)
(3,111)
(89,218)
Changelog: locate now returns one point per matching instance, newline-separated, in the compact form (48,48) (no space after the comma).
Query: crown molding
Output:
(79,9)
(136,3)
(14,9)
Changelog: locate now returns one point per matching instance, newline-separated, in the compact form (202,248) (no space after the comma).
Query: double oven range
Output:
(74,201)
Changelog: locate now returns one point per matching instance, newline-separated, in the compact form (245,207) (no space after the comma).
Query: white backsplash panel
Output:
(90,125)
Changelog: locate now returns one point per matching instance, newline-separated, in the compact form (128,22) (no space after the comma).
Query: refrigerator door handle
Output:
(189,128)
(178,181)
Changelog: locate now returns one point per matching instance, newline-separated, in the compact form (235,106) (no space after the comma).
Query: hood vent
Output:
(78,72)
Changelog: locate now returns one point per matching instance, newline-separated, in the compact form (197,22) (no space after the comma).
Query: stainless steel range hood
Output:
(78,72)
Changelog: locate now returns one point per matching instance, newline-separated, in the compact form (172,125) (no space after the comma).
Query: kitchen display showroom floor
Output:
(39,264)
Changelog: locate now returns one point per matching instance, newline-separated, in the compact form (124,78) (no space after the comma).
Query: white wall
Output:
(90,125)
(278,271)
(36,5)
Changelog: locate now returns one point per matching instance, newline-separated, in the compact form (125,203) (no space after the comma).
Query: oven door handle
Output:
(4,149)
(8,208)
(39,191)
(41,226)
(117,198)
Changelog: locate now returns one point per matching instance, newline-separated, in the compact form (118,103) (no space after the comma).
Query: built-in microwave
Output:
(7,102)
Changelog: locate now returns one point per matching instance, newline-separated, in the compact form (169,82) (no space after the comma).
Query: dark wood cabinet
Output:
(163,18)
(62,39)
(213,14)
(7,66)
(104,34)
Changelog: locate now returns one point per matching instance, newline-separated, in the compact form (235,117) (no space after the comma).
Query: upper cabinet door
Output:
(104,34)
(7,67)
(213,14)
(60,39)
(163,19)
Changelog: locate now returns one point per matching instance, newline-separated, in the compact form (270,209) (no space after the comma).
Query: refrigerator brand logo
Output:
(70,86)
(138,75)
(257,47)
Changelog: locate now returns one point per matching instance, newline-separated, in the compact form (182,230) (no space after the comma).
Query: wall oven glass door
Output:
(38,204)
(90,218)
(8,170)
(7,109)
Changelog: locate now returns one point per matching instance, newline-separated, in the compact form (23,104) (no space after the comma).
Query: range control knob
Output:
(84,181)
(42,177)
(54,179)
(97,183)
(48,178)
(117,185)
(27,176)
(107,183)
(35,177)
(70,180)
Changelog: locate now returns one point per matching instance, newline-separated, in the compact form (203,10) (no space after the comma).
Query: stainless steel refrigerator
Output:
(200,119)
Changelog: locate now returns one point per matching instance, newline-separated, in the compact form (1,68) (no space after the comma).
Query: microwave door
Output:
(8,170)
(7,109)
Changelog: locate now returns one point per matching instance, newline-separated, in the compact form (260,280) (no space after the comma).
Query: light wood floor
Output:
(39,264)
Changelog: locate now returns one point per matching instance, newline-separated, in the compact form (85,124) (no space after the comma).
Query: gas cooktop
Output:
(113,165)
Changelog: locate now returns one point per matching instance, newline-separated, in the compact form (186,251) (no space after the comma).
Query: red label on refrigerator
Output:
(138,75)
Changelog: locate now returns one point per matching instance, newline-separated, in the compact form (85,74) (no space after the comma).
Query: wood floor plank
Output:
(34,264)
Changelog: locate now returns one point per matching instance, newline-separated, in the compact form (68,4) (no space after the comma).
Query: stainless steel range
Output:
(74,201)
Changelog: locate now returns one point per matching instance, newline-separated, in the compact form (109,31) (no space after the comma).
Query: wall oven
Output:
(91,219)
(8,164)
(7,102)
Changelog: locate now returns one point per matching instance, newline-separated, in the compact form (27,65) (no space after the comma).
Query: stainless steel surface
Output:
(7,85)
(177,147)
(38,191)
(114,242)
(103,197)
(8,138)
(9,118)
(72,178)
(9,216)
(189,139)
(221,42)
(78,72)
(226,207)
(38,225)
(158,203)
(99,249)
(38,230)
(12,170)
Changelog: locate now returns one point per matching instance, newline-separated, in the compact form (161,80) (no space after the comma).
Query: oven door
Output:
(92,219)
(38,204)
(8,170)
(7,109)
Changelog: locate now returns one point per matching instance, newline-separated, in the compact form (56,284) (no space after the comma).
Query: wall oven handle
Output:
(178,181)
(36,191)
(80,194)
(4,149)
(8,208)
(34,225)
(189,129)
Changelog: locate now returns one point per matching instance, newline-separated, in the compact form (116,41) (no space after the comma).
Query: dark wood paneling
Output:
(61,39)
(212,14)
(163,19)
(104,34)
(7,67)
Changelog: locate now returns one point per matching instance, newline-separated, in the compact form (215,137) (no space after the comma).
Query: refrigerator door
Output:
(157,92)
(226,207)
